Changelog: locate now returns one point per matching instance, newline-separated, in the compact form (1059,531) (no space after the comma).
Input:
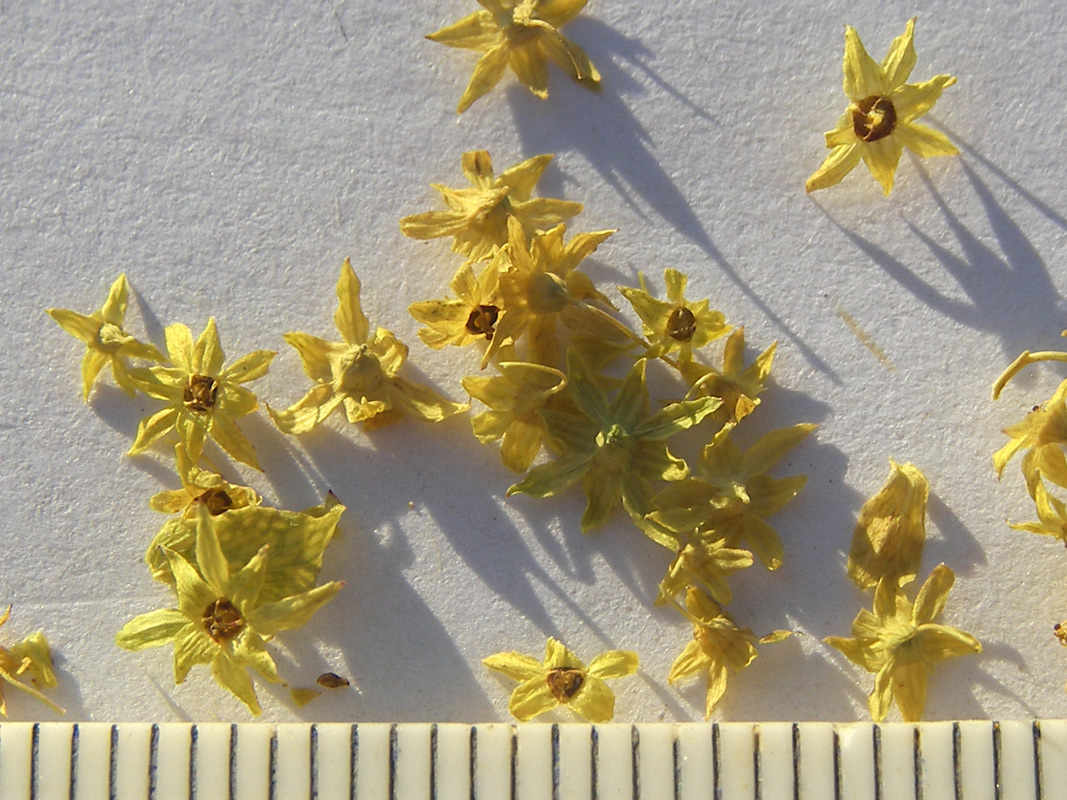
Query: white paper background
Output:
(229,156)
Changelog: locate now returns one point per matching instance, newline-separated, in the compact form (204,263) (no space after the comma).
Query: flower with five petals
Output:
(562,679)
(523,35)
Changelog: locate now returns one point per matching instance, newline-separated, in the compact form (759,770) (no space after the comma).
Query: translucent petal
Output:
(207,352)
(900,60)
(930,601)
(924,141)
(594,702)
(517,666)
(912,100)
(477,31)
(614,664)
(292,612)
(151,630)
(837,165)
(529,64)
(881,158)
(192,646)
(531,698)
(487,74)
(349,318)
(863,77)
(234,677)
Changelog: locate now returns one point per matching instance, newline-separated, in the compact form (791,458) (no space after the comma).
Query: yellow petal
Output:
(520,445)
(231,675)
(315,355)
(249,648)
(249,367)
(518,666)
(559,655)
(478,31)
(559,12)
(207,352)
(836,166)
(717,675)
(909,689)
(930,601)
(900,60)
(863,77)
(924,141)
(529,64)
(92,363)
(308,412)
(531,698)
(594,702)
(192,646)
(569,57)
(881,158)
(180,347)
(152,429)
(487,74)
(349,318)
(881,696)
(614,664)
(232,439)
(77,325)
(912,100)
(690,661)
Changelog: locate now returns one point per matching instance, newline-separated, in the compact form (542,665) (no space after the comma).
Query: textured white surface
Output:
(228,157)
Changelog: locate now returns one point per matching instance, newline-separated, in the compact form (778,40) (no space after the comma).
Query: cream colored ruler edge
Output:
(1018,760)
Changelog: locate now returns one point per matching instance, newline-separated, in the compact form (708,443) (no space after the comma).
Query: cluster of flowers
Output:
(898,639)
(241,572)
(878,124)
(556,345)
(31,658)
(1041,437)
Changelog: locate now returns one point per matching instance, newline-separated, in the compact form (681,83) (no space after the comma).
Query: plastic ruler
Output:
(1024,760)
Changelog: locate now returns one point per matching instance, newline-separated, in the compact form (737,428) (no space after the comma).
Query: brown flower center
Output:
(681,324)
(564,682)
(216,500)
(222,620)
(200,393)
(873,118)
(481,321)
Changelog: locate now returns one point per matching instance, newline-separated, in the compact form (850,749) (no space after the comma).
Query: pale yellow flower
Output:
(718,647)
(359,374)
(105,340)
(477,218)
(522,35)
(222,618)
(736,385)
(469,317)
(200,486)
(674,324)
(203,399)
(514,397)
(880,120)
(890,532)
(1051,516)
(730,495)
(31,658)
(900,643)
(562,679)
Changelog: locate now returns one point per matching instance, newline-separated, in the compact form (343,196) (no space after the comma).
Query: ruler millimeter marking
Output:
(1024,760)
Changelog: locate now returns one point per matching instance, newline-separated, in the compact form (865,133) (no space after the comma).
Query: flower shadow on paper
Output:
(610,137)
(1009,290)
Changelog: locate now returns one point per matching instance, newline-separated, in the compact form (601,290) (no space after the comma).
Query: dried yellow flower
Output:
(359,374)
(736,385)
(562,679)
(200,486)
(223,618)
(477,218)
(105,340)
(880,120)
(468,318)
(674,324)
(203,399)
(900,643)
(31,657)
(891,530)
(523,35)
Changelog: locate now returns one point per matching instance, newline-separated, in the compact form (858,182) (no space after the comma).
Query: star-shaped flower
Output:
(31,657)
(736,385)
(562,679)
(105,340)
(880,120)
(541,284)
(515,397)
(477,218)
(674,324)
(201,486)
(718,647)
(467,318)
(900,643)
(1051,516)
(616,448)
(730,495)
(704,560)
(221,618)
(203,399)
(523,35)
(359,374)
